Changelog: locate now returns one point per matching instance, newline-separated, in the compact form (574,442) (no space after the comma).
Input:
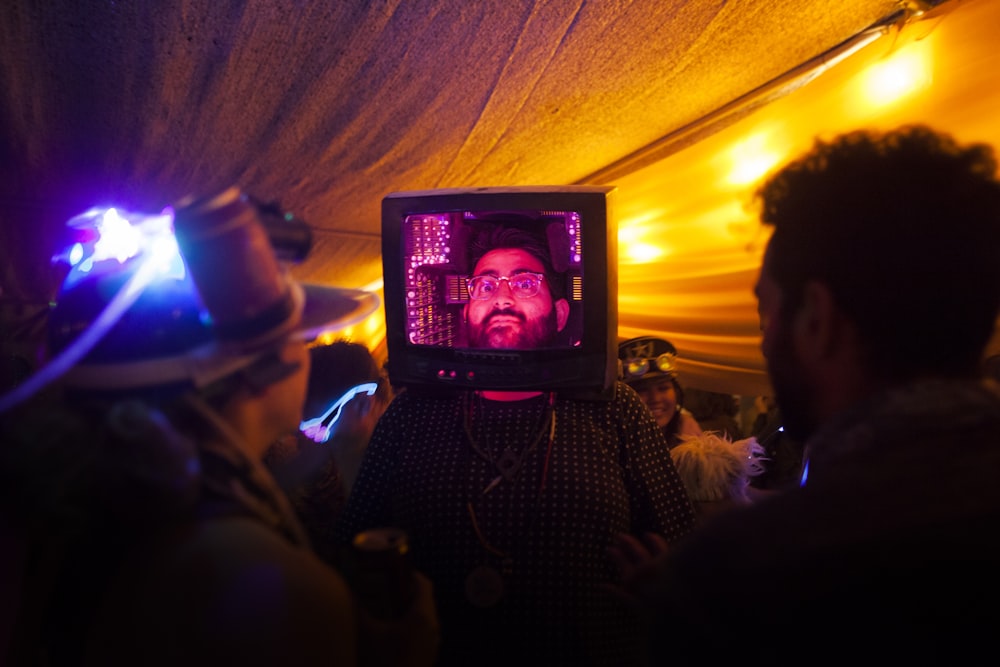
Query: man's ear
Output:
(562,314)
(818,323)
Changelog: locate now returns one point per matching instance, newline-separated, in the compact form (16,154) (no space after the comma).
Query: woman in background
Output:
(648,365)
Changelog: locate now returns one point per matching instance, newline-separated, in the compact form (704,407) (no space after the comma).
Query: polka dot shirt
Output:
(519,560)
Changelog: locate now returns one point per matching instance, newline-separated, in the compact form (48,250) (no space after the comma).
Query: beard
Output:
(792,390)
(522,335)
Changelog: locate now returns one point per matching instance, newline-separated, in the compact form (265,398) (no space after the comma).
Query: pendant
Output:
(508,463)
(484,586)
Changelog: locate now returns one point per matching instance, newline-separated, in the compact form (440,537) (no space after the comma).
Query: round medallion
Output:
(484,586)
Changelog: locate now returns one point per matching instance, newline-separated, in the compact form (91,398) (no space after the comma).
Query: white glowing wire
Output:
(315,430)
(148,271)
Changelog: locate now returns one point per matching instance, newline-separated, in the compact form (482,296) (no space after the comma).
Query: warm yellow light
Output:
(632,247)
(696,205)
(644,253)
(375,285)
(903,74)
(725,225)
(369,331)
(374,326)
(751,158)
(629,226)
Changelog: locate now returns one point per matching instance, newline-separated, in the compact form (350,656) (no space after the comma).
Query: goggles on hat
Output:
(637,367)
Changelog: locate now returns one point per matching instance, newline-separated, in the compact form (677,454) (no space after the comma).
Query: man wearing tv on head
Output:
(511,499)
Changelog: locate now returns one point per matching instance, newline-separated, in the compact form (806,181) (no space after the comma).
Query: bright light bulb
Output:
(904,73)
(118,239)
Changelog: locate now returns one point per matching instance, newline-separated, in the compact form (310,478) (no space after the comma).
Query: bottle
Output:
(380,572)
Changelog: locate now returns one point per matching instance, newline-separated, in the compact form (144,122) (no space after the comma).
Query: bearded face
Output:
(792,389)
(510,328)
(507,321)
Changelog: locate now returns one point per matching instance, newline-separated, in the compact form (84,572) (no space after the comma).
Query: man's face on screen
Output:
(506,320)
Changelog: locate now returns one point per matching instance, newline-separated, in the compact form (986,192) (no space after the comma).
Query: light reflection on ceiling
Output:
(689,243)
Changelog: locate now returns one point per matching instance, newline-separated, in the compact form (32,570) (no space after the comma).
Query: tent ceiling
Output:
(329,106)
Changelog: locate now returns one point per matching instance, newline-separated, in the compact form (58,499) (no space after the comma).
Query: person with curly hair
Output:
(878,294)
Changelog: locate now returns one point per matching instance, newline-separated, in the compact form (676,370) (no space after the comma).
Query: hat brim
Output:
(327,309)
(649,378)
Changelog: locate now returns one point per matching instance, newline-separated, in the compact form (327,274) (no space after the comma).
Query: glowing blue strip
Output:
(316,430)
(57,367)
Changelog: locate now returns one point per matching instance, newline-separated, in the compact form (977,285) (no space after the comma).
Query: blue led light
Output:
(115,236)
(108,239)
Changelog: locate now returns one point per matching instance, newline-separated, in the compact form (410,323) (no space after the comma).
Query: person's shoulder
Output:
(236,546)
(425,397)
(235,586)
(617,399)
(625,394)
(761,534)
(417,405)
(626,403)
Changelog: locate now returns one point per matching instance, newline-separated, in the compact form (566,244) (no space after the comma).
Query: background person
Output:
(649,365)
(714,411)
(511,499)
(317,463)
(889,549)
(782,453)
(133,482)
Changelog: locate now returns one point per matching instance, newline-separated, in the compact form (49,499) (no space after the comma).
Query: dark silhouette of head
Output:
(904,229)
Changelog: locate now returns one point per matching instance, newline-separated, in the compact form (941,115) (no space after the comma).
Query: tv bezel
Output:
(590,368)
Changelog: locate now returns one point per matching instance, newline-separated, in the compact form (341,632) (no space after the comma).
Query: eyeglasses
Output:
(318,431)
(523,285)
(638,367)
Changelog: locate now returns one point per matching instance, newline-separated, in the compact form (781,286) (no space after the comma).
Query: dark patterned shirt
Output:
(541,531)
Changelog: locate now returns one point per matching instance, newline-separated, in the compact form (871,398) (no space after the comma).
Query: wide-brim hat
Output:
(182,347)
(228,302)
(327,309)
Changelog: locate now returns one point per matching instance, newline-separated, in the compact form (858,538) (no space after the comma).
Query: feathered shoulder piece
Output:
(713,467)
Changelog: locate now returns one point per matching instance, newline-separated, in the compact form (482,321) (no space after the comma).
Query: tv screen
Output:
(445,325)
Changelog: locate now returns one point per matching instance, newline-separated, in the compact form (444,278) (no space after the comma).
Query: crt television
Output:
(427,239)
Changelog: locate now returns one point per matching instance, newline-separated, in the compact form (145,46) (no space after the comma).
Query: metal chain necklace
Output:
(484,585)
(510,461)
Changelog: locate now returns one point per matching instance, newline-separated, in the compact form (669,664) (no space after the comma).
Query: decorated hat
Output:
(186,297)
(646,358)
